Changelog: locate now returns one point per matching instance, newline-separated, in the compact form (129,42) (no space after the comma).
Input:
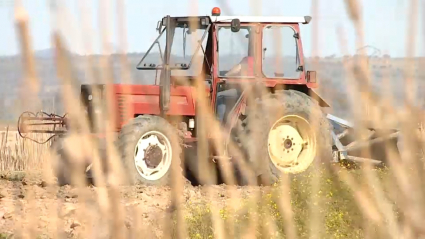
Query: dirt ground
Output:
(28,204)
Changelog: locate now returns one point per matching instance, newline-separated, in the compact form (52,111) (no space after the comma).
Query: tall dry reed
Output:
(19,154)
(331,202)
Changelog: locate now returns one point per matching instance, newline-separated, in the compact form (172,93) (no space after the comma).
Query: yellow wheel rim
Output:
(292,144)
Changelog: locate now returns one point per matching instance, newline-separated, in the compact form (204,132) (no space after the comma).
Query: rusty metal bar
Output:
(363,160)
(358,145)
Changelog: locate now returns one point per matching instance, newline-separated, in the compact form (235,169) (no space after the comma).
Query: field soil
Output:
(29,205)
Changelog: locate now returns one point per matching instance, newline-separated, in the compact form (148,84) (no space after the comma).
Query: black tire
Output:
(129,137)
(63,166)
(60,162)
(260,118)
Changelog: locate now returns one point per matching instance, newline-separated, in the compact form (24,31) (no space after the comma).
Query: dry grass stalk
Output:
(330,203)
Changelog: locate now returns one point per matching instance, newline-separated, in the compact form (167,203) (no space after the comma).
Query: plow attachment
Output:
(41,123)
(373,146)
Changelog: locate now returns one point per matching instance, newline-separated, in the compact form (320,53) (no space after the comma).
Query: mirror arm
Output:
(184,43)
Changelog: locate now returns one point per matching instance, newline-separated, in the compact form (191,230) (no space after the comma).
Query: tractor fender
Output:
(313,94)
(317,97)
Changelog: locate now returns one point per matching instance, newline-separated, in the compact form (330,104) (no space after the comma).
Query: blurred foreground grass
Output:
(334,203)
(340,213)
(263,212)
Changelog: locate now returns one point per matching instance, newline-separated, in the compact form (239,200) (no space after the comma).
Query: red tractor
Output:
(256,84)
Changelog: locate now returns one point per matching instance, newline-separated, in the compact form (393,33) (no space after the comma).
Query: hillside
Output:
(333,78)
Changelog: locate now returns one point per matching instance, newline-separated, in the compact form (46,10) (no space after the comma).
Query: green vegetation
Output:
(338,214)
(5,235)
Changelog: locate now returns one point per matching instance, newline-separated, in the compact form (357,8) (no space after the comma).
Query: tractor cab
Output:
(179,48)
(225,52)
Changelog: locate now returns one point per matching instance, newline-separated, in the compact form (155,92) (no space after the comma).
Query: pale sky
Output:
(385,22)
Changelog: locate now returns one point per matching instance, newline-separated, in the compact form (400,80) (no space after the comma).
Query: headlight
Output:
(191,123)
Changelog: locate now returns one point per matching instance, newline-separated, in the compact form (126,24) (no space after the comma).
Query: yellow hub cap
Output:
(292,144)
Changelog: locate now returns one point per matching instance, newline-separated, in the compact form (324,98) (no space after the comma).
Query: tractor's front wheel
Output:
(150,150)
(68,167)
(285,133)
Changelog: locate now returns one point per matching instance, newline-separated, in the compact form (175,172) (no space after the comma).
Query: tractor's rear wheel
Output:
(286,133)
(150,149)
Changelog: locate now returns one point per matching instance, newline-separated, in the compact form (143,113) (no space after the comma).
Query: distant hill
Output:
(333,78)
(45,54)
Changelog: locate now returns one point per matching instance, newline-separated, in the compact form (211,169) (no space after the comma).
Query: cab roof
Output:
(262,19)
(204,21)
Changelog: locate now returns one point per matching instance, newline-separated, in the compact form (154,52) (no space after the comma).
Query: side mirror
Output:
(235,25)
(311,76)
(159,26)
